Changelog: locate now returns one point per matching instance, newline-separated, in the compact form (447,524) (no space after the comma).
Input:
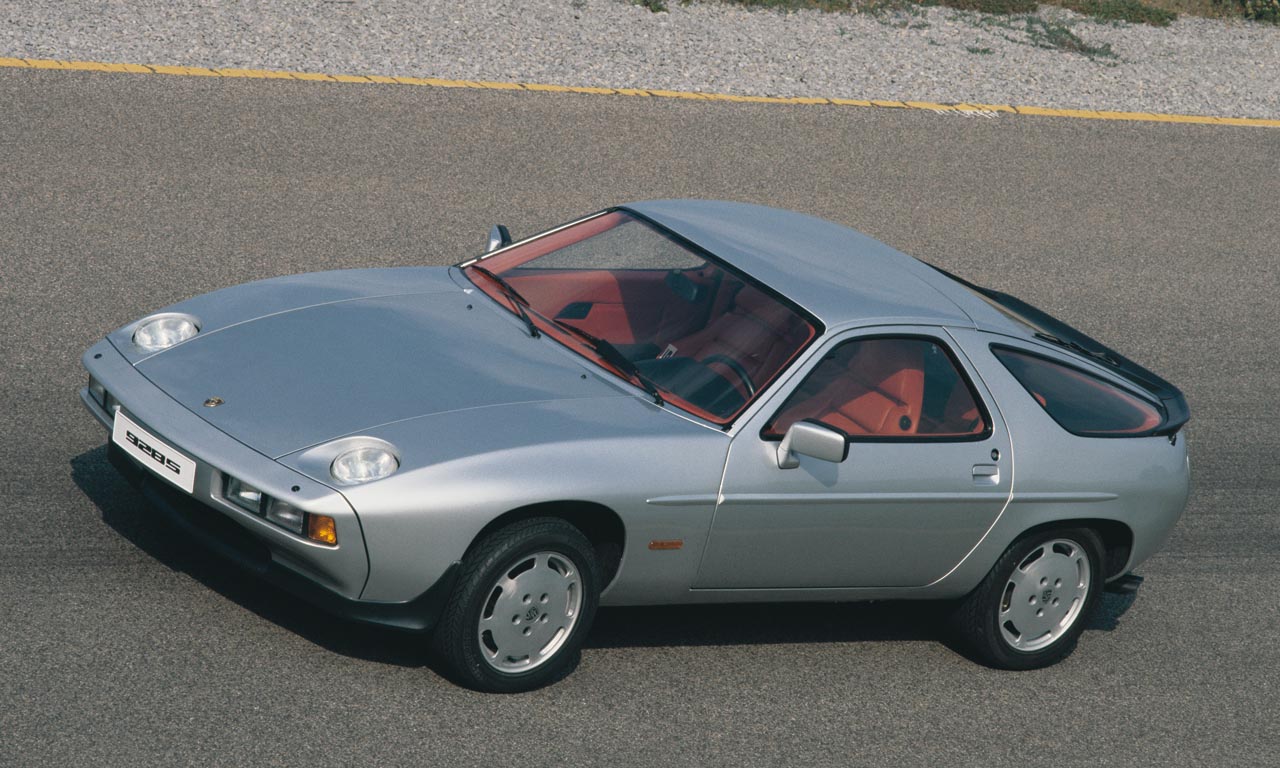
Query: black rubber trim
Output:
(222,535)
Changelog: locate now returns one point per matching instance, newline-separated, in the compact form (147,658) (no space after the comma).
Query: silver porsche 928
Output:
(665,402)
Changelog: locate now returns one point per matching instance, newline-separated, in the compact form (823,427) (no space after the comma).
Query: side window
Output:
(1081,403)
(887,387)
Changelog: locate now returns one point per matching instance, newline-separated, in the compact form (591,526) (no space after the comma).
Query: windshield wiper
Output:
(611,355)
(518,302)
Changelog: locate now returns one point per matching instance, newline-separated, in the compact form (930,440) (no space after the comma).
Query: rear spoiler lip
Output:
(1177,414)
(1081,345)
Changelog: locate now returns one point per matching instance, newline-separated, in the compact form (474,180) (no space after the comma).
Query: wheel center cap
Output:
(531,614)
(1046,595)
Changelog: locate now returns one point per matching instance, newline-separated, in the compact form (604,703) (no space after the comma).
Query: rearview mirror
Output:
(807,438)
(499,237)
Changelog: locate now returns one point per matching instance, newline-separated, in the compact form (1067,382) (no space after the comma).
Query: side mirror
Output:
(499,237)
(806,438)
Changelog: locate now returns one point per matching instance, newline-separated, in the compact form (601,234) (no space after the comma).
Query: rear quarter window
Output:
(1081,403)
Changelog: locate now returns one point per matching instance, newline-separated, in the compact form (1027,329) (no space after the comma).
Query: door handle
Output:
(986,474)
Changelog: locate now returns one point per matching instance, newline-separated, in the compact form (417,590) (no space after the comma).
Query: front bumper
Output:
(224,537)
(329,577)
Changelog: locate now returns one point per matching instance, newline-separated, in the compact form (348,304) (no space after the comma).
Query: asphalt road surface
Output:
(122,645)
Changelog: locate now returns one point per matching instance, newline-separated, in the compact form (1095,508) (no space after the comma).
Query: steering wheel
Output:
(734,366)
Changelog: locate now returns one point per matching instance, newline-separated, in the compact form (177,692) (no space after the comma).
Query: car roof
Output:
(840,275)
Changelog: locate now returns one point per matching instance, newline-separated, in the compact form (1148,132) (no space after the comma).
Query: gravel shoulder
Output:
(1195,66)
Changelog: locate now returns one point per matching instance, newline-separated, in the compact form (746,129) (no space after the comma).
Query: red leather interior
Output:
(692,310)
(960,416)
(886,388)
(551,292)
(880,392)
(755,330)
(623,306)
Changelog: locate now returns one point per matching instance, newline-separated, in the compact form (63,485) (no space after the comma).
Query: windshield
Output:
(641,303)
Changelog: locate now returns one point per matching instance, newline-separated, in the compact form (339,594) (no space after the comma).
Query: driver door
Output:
(928,471)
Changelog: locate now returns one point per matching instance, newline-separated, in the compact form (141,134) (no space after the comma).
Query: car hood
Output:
(296,377)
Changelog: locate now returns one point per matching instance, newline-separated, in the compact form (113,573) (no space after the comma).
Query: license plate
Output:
(153,453)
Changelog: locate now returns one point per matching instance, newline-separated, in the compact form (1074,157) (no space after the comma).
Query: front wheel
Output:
(1031,608)
(523,605)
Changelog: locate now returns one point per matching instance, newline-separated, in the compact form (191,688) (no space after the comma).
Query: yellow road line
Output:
(433,82)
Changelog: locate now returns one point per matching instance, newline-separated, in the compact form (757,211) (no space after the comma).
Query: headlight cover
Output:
(363,465)
(163,331)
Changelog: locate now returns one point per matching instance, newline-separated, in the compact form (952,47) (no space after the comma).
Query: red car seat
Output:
(756,331)
(880,392)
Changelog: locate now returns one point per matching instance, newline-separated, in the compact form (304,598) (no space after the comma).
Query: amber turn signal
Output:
(321,528)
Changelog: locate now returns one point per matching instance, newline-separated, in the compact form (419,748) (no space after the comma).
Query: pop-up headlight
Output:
(363,465)
(163,331)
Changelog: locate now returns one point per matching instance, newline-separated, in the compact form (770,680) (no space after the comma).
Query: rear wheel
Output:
(524,603)
(1031,608)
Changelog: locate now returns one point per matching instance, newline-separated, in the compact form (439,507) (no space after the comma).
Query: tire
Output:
(1030,609)
(524,602)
